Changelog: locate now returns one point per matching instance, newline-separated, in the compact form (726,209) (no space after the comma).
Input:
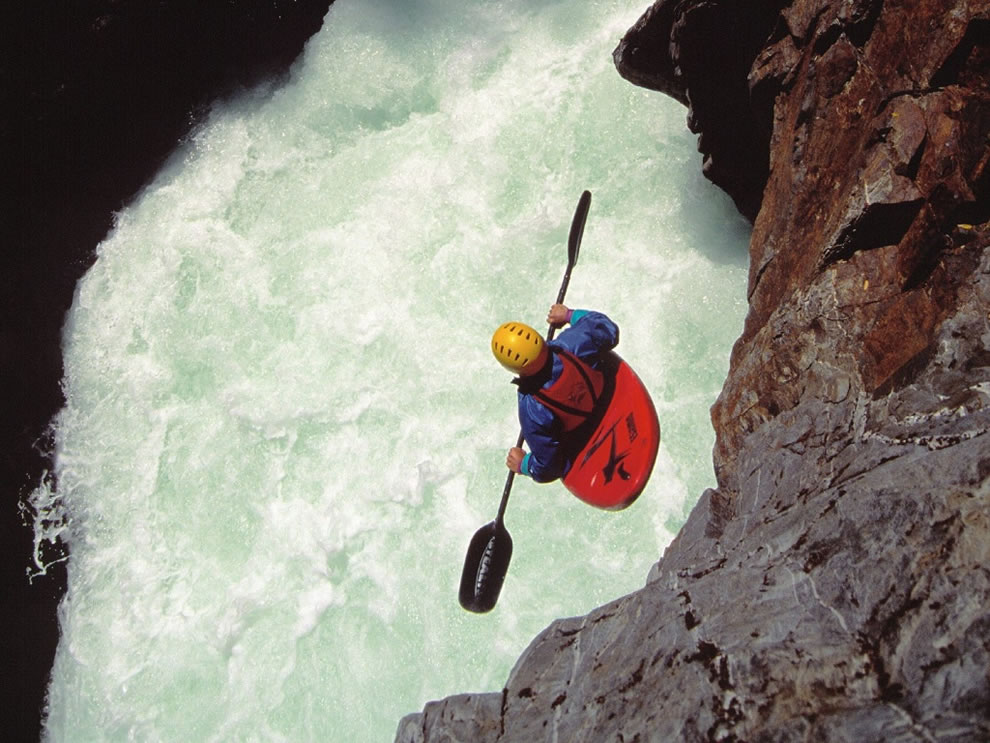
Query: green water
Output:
(283,420)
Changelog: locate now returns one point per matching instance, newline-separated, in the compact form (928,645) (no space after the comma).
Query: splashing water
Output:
(283,423)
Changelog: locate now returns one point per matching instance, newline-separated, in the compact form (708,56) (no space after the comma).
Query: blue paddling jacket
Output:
(544,422)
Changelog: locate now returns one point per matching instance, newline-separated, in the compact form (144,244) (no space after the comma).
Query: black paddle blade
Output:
(485,567)
(577,228)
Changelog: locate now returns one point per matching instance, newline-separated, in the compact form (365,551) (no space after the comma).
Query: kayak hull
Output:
(613,467)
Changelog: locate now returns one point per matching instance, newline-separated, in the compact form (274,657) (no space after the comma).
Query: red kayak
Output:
(613,467)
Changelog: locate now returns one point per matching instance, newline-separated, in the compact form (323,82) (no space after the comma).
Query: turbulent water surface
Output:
(283,421)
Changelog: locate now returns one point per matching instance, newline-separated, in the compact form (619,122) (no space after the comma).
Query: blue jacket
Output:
(591,334)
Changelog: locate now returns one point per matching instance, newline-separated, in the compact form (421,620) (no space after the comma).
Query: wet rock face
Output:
(836,585)
(870,225)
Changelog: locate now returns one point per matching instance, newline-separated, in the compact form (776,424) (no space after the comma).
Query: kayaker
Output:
(559,383)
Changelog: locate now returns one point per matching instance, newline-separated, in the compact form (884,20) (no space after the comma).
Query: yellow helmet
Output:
(515,345)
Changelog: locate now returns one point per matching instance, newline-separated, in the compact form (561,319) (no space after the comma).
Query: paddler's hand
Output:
(557,316)
(515,458)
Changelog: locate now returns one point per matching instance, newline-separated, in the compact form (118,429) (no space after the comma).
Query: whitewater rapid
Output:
(283,423)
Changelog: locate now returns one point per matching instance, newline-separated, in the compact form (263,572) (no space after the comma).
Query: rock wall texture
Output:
(96,94)
(836,585)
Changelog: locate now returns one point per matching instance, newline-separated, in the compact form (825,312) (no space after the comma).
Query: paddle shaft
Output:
(577,229)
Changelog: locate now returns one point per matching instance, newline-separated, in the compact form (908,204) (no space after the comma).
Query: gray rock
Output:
(459,719)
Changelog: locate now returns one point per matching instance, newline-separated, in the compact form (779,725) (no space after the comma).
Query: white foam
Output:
(283,426)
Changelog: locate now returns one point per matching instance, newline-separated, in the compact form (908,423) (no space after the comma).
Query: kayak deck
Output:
(615,463)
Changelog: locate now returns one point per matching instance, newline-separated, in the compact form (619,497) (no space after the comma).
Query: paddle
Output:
(490,550)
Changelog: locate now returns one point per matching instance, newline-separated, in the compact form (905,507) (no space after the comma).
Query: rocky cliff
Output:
(97,93)
(836,584)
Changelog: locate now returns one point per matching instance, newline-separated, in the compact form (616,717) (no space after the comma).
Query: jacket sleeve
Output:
(545,461)
(591,333)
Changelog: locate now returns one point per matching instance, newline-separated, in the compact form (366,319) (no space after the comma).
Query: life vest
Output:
(573,395)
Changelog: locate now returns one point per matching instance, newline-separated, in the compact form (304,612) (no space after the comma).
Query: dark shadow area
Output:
(96,95)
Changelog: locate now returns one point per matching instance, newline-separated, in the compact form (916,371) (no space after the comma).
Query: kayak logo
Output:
(631,427)
(614,464)
(577,395)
